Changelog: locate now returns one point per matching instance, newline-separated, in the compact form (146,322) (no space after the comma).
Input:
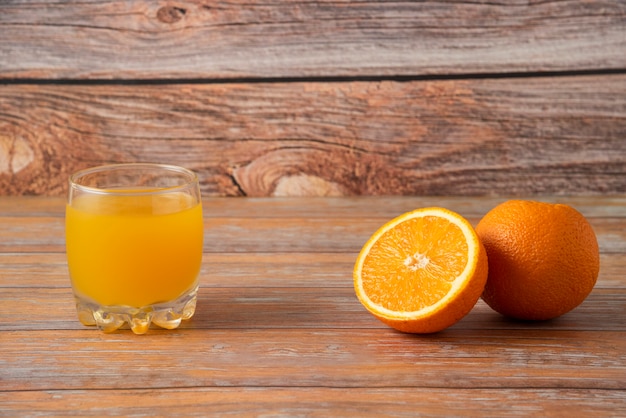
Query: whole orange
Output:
(543,259)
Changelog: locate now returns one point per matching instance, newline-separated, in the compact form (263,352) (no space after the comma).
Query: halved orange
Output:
(422,271)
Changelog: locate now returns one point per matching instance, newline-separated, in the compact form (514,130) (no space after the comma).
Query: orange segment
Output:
(422,271)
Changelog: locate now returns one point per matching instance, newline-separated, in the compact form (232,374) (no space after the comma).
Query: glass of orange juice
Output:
(134,236)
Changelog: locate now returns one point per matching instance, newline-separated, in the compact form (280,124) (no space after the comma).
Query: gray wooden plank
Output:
(141,39)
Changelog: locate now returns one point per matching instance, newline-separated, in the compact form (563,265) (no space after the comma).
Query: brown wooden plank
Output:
(319,401)
(379,207)
(32,205)
(49,270)
(32,234)
(88,359)
(242,308)
(190,39)
(341,235)
(248,235)
(27,270)
(552,135)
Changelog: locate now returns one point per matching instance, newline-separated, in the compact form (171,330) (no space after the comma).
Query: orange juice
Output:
(134,249)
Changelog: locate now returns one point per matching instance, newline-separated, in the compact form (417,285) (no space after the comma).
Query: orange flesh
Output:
(420,257)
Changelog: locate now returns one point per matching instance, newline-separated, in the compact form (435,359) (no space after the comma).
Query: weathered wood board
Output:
(199,39)
(549,135)
(319,98)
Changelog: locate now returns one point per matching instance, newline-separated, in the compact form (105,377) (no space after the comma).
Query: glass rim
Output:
(190,181)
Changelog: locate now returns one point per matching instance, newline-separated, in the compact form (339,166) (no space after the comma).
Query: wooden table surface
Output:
(279,332)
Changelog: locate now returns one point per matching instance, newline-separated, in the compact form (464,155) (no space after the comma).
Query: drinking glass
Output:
(134,235)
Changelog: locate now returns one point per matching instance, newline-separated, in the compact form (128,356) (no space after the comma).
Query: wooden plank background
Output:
(282,98)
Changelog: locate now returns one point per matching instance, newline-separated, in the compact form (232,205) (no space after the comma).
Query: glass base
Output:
(110,318)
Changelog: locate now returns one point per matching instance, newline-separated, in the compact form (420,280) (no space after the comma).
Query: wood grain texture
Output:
(271,307)
(356,207)
(319,98)
(242,235)
(319,402)
(140,39)
(278,329)
(468,103)
(82,359)
(459,137)
(283,225)
(223,270)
